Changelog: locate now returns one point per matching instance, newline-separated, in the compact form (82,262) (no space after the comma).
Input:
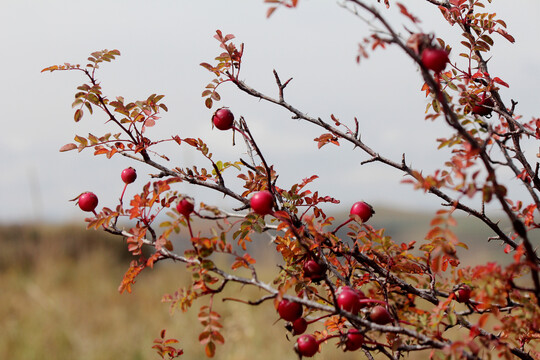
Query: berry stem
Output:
(340,226)
(369,301)
(328,338)
(319,318)
(189,226)
(241,132)
(406,322)
(122,196)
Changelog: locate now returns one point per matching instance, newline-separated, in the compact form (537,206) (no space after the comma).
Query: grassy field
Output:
(60,301)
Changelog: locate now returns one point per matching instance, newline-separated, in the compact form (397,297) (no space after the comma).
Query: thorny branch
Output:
(452,120)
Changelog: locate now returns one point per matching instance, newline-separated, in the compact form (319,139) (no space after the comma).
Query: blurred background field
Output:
(60,300)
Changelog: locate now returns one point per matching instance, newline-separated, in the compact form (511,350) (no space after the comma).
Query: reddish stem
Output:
(367,301)
(189,226)
(241,132)
(317,319)
(123,191)
(328,338)
(405,322)
(340,226)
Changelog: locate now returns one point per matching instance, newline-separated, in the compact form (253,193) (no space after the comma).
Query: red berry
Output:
(262,202)
(363,210)
(480,109)
(349,300)
(88,201)
(435,59)
(463,294)
(379,315)
(307,345)
(355,340)
(185,206)
(289,310)
(313,270)
(223,119)
(129,175)
(299,326)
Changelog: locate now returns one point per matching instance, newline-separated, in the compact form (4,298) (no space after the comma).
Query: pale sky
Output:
(162,44)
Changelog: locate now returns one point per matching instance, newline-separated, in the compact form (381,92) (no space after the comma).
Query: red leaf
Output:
(405,12)
(78,115)
(500,82)
(506,35)
(68,147)
(210,349)
(270,11)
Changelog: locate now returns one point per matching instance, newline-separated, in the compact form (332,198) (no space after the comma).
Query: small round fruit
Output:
(88,201)
(129,175)
(435,59)
(463,294)
(379,315)
(363,210)
(307,345)
(349,300)
(313,270)
(262,202)
(290,310)
(355,340)
(482,110)
(185,206)
(299,326)
(223,119)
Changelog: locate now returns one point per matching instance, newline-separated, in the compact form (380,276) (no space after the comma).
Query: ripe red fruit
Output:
(307,345)
(129,175)
(349,300)
(379,315)
(299,326)
(363,210)
(262,202)
(313,270)
(480,109)
(185,206)
(355,340)
(435,59)
(223,119)
(88,201)
(463,294)
(289,310)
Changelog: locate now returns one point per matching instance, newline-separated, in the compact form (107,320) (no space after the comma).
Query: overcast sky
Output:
(162,44)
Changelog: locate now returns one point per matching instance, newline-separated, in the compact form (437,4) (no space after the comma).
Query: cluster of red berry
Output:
(348,299)
(435,59)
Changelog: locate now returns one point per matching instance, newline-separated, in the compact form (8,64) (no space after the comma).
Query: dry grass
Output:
(60,301)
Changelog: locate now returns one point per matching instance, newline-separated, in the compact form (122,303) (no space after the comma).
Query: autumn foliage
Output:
(357,287)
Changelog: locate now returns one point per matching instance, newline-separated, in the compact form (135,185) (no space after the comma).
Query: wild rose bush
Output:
(358,286)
